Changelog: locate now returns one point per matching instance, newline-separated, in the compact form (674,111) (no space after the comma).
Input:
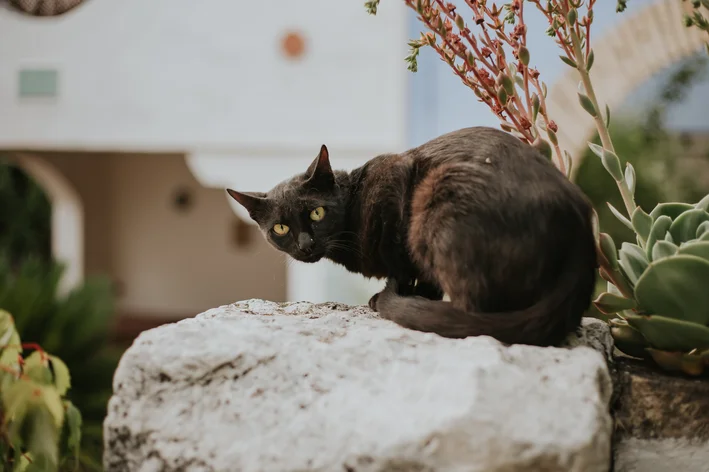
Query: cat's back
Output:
(477,144)
(495,159)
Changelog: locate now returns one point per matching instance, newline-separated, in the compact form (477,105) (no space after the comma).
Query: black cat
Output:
(475,213)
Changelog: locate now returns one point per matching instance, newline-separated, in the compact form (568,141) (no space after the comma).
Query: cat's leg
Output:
(428,290)
(403,286)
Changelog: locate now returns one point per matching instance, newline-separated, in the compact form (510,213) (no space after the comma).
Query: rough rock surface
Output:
(662,420)
(257,386)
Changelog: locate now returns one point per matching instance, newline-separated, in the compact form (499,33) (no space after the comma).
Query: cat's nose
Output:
(305,243)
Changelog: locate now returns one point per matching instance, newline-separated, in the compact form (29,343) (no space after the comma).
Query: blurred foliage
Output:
(38,421)
(25,215)
(75,326)
(656,154)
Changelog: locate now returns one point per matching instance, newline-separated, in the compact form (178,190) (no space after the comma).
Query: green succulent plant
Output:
(659,287)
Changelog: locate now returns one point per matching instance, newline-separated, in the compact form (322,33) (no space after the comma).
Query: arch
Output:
(67,217)
(641,45)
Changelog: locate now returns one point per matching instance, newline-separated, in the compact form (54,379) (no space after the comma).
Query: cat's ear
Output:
(319,175)
(254,202)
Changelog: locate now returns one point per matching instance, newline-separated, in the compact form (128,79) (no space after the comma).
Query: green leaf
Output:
(673,210)
(22,463)
(552,137)
(591,58)
(569,62)
(659,228)
(73,419)
(610,303)
(670,334)
(543,147)
(629,340)
(37,368)
(587,105)
(610,161)
(17,400)
(684,227)
(696,248)
(702,229)
(62,379)
(633,261)
(568,163)
(642,224)
(535,107)
(572,16)
(608,117)
(703,204)
(620,217)
(663,249)
(676,287)
(524,55)
(691,364)
(53,402)
(630,177)
(608,249)
(42,439)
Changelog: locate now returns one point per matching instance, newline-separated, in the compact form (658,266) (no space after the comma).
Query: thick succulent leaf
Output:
(696,248)
(676,287)
(633,261)
(620,216)
(642,224)
(671,209)
(663,249)
(611,288)
(657,233)
(703,204)
(684,227)
(670,334)
(691,364)
(608,249)
(702,229)
(629,341)
(610,303)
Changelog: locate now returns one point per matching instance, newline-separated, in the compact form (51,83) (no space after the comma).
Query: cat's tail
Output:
(546,323)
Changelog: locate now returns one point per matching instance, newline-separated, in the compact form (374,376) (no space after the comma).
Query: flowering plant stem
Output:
(601,125)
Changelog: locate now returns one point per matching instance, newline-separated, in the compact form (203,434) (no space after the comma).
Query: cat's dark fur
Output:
(475,213)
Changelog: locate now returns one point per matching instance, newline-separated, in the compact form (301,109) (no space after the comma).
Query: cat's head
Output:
(301,216)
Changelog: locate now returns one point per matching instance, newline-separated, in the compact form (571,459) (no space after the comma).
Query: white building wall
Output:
(210,79)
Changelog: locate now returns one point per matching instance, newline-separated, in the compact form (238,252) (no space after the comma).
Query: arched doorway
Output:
(67,217)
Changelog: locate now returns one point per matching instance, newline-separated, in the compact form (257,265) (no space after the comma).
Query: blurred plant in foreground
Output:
(506,87)
(34,410)
(75,327)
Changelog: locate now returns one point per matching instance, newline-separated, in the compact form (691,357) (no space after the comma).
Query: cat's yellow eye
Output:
(280,229)
(317,214)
